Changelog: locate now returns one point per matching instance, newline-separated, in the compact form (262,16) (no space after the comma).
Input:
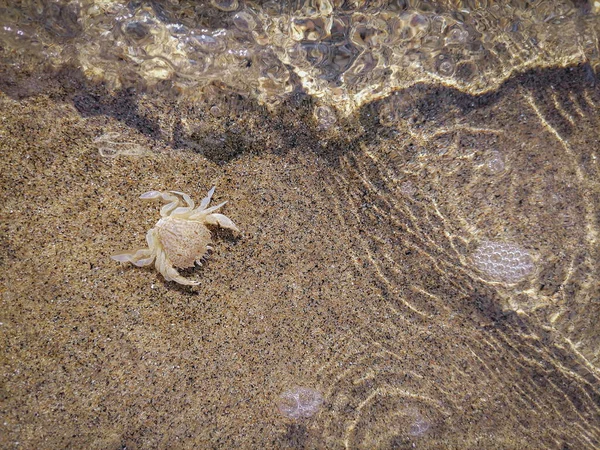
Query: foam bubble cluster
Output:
(503,261)
(495,162)
(300,402)
(344,55)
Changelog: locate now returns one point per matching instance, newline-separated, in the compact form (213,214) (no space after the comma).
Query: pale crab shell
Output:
(180,238)
(185,242)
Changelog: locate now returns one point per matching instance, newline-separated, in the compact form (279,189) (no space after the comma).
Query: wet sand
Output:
(329,286)
(100,355)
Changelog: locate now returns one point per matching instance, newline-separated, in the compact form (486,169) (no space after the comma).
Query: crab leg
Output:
(183,209)
(214,208)
(206,200)
(165,267)
(140,258)
(186,197)
(173,200)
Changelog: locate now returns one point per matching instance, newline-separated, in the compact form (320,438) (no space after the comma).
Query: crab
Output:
(180,238)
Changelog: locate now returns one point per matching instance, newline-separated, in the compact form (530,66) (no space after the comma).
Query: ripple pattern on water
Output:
(346,56)
(422,248)
(445,153)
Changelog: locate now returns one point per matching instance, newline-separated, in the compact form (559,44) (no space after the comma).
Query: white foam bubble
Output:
(502,261)
(300,402)
(495,162)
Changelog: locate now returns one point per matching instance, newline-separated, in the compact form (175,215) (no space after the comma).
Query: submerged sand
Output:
(333,285)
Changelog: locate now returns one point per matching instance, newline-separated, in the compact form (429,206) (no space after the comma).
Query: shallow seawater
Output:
(417,187)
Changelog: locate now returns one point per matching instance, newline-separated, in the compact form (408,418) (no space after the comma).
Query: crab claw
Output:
(222,221)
